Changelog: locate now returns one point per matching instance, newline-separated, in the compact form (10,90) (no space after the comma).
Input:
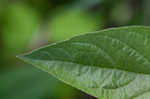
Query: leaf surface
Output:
(109,64)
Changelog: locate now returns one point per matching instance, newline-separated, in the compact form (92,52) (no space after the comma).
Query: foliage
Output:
(29,24)
(108,64)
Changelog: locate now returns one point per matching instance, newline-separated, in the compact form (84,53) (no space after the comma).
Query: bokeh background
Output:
(29,24)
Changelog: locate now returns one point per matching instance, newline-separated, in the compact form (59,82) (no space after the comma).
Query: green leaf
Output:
(108,64)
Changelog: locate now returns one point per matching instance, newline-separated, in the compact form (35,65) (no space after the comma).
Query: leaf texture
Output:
(108,64)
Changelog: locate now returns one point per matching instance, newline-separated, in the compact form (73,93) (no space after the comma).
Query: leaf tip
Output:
(22,57)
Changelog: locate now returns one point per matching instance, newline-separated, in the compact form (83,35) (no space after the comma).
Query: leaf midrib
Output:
(94,66)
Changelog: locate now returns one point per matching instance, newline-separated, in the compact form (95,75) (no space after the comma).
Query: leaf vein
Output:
(147,61)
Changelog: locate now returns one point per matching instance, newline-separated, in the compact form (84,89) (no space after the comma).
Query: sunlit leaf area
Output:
(29,24)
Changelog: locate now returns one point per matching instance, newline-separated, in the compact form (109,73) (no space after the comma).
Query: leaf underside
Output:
(108,64)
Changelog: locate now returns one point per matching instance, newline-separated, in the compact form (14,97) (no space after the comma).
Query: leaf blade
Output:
(111,64)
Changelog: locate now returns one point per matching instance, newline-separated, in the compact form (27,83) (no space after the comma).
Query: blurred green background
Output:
(29,24)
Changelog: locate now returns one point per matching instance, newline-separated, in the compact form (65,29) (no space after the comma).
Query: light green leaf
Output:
(108,64)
